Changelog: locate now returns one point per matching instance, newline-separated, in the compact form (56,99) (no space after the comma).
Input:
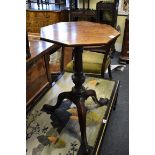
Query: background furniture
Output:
(35,19)
(107,12)
(83,13)
(28,54)
(38,78)
(94,63)
(124,56)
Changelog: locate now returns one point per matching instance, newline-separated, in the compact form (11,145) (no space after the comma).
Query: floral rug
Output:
(59,132)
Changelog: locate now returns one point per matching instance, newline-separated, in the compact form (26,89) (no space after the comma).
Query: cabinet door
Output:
(36,78)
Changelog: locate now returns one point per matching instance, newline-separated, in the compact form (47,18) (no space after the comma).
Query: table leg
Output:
(65,95)
(82,121)
(79,78)
(78,95)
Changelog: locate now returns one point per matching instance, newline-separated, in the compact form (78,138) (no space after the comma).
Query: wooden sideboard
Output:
(38,78)
(35,19)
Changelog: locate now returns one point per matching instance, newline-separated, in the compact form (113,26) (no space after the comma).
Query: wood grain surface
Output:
(36,78)
(37,19)
(39,48)
(79,33)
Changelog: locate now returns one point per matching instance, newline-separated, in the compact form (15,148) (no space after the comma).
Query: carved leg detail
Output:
(82,121)
(49,109)
(92,93)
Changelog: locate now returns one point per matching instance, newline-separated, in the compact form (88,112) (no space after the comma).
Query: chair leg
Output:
(62,60)
(102,75)
(109,72)
(113,51)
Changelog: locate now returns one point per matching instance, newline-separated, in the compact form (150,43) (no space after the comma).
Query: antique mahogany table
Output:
(77,35)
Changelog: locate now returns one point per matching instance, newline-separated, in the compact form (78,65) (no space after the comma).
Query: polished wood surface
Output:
(39,48)
(79,33)
(38,76)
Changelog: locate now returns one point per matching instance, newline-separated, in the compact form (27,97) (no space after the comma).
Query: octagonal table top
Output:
(79,33)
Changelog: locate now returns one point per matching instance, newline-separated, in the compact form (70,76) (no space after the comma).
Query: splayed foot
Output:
(48,109)
(103,101)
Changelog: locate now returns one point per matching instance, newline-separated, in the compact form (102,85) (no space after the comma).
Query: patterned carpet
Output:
(116,141)
(59,133)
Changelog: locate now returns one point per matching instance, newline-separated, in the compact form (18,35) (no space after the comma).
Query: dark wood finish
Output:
(38,78)
(78,95)
(109,8)
(62,60)
(77,35)
(28,54)
(82,13)
(80,33)
(124,57)
(38,48)
(67,55)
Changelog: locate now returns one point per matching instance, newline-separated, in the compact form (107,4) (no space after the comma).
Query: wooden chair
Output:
(107,11)
(84,13)
(99,59)
(94,63)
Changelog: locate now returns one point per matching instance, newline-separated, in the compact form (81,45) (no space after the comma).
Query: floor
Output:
(61,131)
(116,140)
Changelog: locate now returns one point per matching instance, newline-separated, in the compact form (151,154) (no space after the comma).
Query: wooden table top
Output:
(79,33)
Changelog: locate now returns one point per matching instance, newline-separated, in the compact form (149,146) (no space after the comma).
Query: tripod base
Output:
(78,98)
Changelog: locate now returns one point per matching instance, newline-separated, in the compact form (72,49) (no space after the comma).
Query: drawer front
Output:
(36,78)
